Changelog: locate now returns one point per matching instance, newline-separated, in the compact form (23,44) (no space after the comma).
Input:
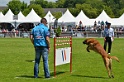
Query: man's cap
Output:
(108,23)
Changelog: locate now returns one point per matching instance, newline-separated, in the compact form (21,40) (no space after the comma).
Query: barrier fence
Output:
(62,51)
(23,34)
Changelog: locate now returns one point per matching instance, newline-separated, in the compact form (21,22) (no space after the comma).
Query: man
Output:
(40,38)
(108,37)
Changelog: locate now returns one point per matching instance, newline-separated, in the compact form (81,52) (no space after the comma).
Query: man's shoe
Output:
(47,77)
(35,76)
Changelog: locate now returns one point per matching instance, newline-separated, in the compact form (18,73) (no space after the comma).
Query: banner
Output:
(62,56)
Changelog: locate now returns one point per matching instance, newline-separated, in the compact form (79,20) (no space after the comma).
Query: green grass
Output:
(16,55)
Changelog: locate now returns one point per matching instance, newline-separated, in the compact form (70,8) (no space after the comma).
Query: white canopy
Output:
(103,17)
(1,15)
(120,20)
(67,17)
(83,18)
(49,17)
(20,16)
(117,21)
(21,19)
(8,17)
(32,17)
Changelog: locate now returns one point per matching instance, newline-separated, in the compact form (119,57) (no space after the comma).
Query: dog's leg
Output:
(110,67)
(88,48)
(106,62)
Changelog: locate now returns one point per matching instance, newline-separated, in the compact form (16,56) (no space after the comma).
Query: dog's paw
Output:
(88,50)
(112,76)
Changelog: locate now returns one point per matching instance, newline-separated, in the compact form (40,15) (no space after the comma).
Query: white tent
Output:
(83,18)
(8,17)
(103,17)
(21,19)
(20,16)
(120,20)
(67,17)
(117,21)
(32,17)
(49,17)
(1,15)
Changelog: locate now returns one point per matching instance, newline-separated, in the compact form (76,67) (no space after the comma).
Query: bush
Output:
(58,31)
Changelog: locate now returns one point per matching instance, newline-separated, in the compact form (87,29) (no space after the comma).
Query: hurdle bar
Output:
(66,42)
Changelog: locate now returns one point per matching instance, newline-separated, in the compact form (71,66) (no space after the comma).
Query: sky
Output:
(4,2)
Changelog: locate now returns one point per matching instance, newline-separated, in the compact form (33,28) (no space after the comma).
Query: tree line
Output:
(92,8)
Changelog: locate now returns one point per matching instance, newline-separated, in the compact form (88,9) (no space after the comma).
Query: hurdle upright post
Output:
(71,55)
(54,56)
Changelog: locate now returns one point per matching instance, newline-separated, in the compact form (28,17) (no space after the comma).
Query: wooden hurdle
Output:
(60,41)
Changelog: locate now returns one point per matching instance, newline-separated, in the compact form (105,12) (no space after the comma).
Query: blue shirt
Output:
(39,34)
(108,32)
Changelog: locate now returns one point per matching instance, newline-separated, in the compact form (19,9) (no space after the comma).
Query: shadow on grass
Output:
(90,76)
(57,73)
(28,76)
(25,76)
(32,61)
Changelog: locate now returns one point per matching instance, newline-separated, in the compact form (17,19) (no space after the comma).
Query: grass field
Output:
(17,54)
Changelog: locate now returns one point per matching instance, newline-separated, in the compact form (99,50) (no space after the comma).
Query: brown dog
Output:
(94,45)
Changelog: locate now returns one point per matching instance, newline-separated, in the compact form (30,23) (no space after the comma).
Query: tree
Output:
(24,6)
(72,3)
(43,3)
(52,5)
(121,12)
(57,14)
(74,11)
(92,8)
(115,5)
(26,12)
(69,3)
(88,10)
(16,6)
(38,9)
(109,11)
(60,3)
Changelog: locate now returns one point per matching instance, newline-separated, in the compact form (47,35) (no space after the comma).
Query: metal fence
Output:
(96,34)
(18,34)
(23,34)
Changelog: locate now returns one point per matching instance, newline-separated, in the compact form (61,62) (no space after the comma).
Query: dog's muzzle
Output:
(84,42)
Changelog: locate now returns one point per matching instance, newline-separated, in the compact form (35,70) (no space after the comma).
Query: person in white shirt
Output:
(108,37)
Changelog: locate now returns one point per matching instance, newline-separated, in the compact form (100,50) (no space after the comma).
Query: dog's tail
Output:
(114,57)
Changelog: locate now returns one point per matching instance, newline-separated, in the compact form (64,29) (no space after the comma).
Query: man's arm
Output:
(48,41)
(32,39)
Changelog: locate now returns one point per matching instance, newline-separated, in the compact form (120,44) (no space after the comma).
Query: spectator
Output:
(56,23)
